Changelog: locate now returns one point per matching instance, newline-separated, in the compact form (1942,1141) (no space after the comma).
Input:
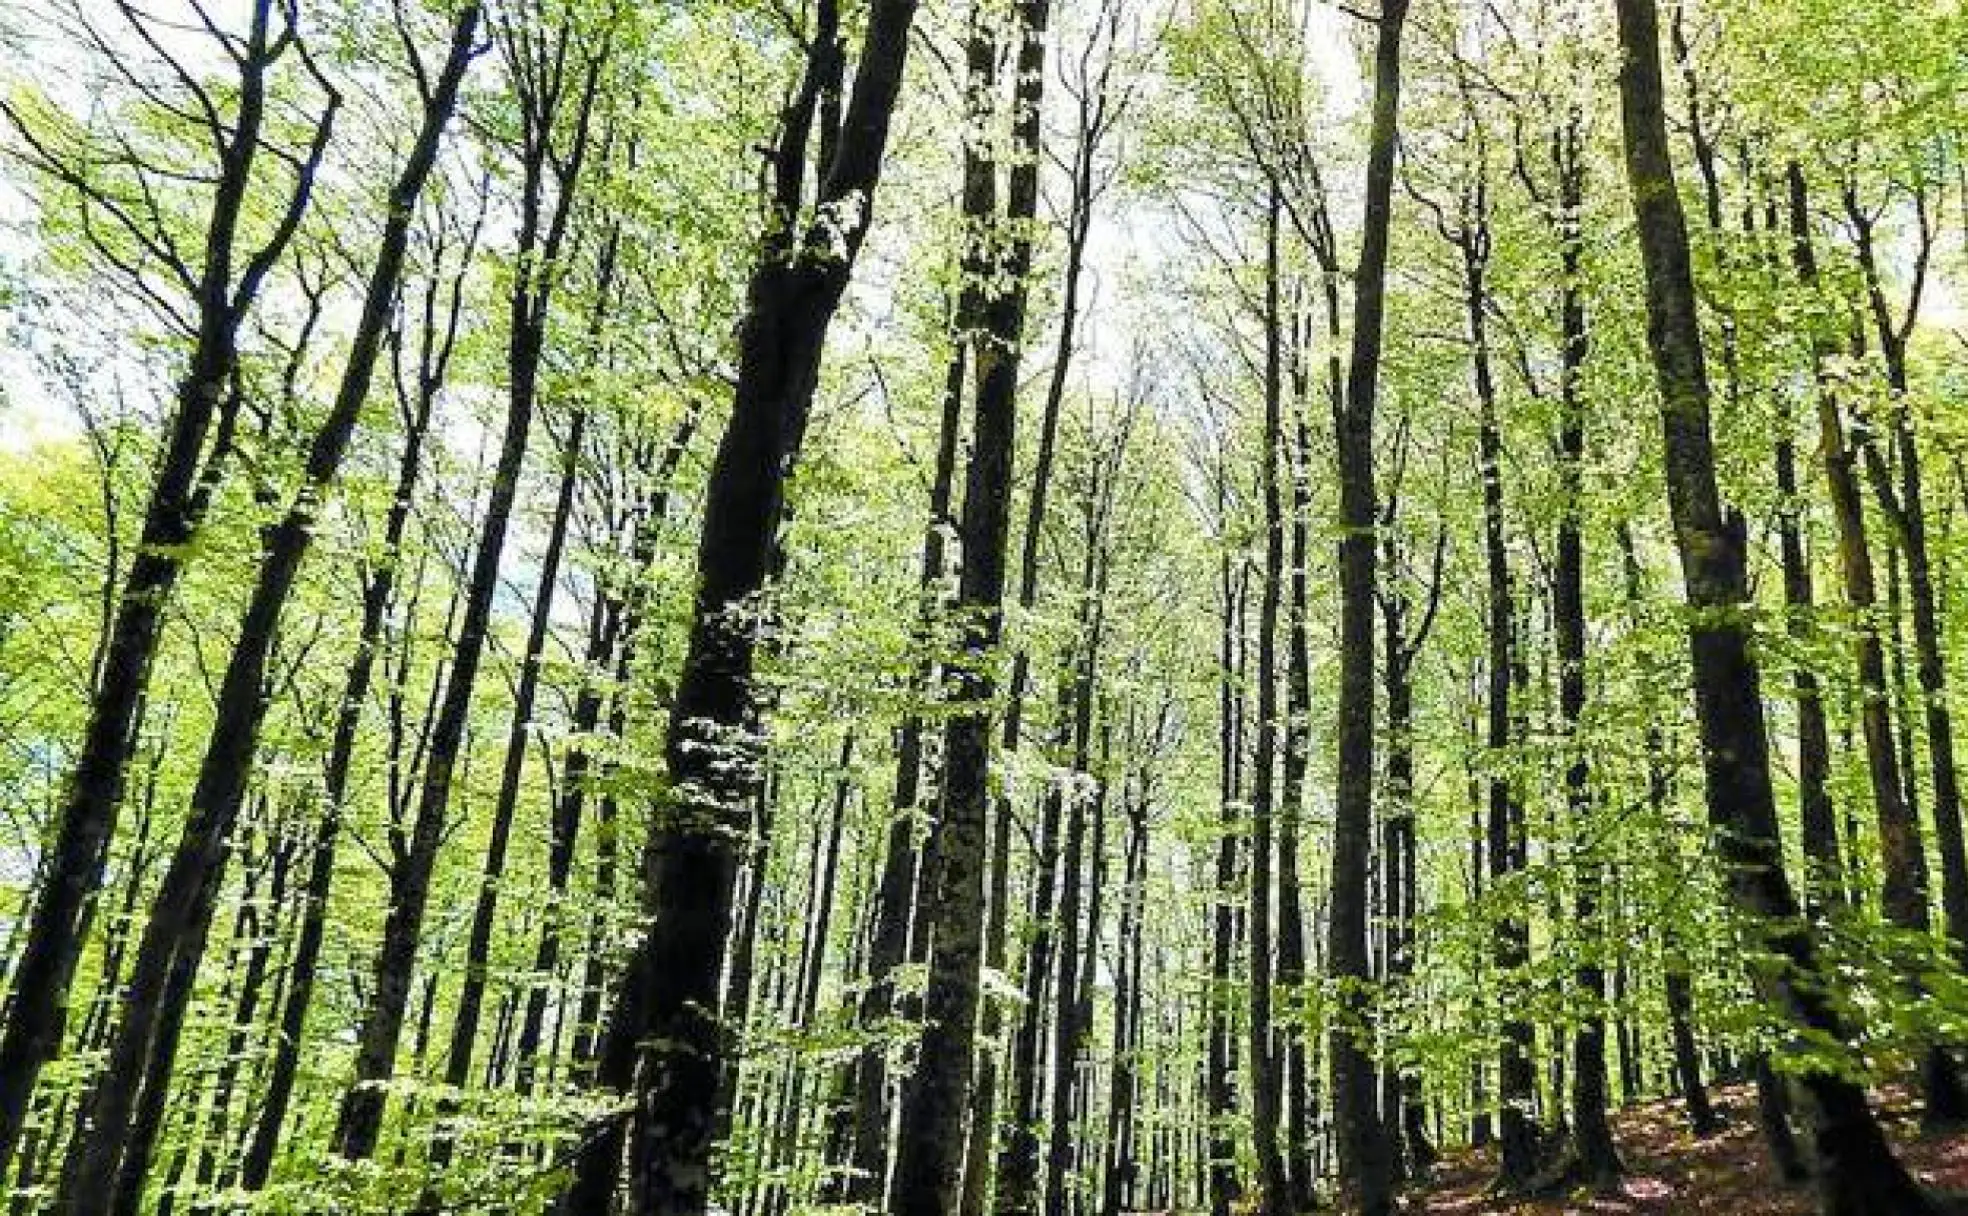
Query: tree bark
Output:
(161,983)
(186,479)
(1363,1151)
(669,989)
(1592,1137)
(1857,1169)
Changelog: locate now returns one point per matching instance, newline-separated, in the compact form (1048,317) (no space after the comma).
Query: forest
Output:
(983,607)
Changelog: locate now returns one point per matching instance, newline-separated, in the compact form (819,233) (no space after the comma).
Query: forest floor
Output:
(1670,1173)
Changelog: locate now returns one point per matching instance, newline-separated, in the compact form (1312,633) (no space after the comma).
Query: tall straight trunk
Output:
(1275,1195)
(1220,1094)
(1072,991)
(161,984)
(1904,899)
(378,595)
(822,884)
(895,897)
(1857,1169)
(1120,1177)
(933,1149)
(1065,1013)
(1592,1136)
(1019,1157)
(228,285)
(1297,759)
(1364,1166)
(542,229)
(519,733)
(668,994)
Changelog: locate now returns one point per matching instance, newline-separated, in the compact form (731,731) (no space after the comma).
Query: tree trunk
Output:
(161,983)
(1592,1138)
(669,989)
(1363,1151)
(1219,1083)
(1857,1169)
(1274,1186)
(186,479)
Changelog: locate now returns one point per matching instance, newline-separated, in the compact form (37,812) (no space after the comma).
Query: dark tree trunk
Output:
(1364,1167)
(1120,1179)
(1857,1169)
(1411,1153)
(542,228)
(1592,1137)
(1219,1085)
(260,930)
(1028,97)
(1072,993)
(1274,1186)
(669,990)
(1297,759)
(159,992)
(187,476)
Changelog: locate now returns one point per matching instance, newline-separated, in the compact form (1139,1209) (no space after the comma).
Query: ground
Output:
(1670,1173)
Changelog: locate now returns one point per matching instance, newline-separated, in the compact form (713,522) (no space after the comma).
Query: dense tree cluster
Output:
(961,606)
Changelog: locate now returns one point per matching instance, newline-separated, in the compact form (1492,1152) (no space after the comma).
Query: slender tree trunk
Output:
(1516,1076)
(186,480)
(1364,1166)
(669,990)
(1220,1094)
(1857,1169)
(1120,1179)
(1905,510)
(1275,1195)
(261,934)
(1592,1137)
(161,983)
(1297,759)
(1028,97)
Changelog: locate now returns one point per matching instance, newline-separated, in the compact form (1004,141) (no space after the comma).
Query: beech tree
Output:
(1064,606)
